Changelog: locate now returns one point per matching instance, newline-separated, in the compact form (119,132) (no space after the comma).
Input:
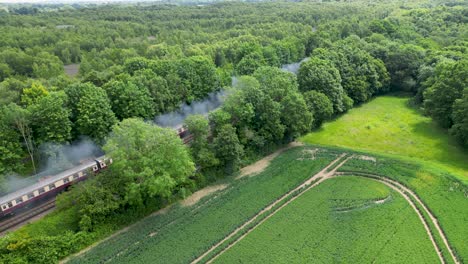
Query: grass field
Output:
(339,222)
(388,125)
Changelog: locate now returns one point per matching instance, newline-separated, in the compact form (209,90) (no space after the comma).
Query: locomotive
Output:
(51,186)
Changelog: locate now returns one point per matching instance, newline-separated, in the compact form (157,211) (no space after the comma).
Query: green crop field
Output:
(444,195)
(388,125)
(183,233)
(338,222)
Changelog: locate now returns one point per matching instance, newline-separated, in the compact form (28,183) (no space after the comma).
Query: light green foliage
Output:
(47,66)
(164,99)
(338,221)
(388,125)
(32,94)
(149,161)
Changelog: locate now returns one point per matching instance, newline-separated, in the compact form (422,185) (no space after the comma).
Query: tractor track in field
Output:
(406,193)
(310,183)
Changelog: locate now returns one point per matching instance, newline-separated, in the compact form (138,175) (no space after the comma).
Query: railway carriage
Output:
(49,187)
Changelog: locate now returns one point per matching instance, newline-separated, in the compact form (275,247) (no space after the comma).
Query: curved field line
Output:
(394,185)
(308,184)
(417,199)
(411,203)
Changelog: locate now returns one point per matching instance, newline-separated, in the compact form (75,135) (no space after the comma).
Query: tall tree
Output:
(319,105)
(150,161)
(129,100)
(20,119)
(228,148)
(460,118)
(199,130)
(94,114)
(451,79)
(50,119)
(320,75)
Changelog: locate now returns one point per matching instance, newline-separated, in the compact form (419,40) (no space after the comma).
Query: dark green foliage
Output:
(460,118)
(228,149)
(94,116)
(322,76)
(451,79)
(50,119)
(199,130)
(128,99)
(319,105)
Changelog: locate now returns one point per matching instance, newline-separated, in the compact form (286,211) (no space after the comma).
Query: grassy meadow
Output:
(388,125)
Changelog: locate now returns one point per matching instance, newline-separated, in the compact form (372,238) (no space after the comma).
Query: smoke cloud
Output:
(176,118)
(293,67)
(55,158)
(214,100)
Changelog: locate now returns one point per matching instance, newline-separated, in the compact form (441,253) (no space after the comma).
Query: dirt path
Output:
(262,164)
(198,195)
(308,184)
(413,195)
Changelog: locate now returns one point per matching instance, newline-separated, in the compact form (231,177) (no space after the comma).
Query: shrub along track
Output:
(327,173)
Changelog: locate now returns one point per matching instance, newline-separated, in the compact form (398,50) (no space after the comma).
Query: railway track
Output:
(9,223)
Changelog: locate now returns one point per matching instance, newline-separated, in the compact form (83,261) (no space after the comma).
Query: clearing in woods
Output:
(388,125)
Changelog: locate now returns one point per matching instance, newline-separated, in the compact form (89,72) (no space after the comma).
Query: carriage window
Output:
(75,176)
(4,207)
(19,200)
(66,180)
(30,195)
(52,186)
(41,190)
(10,204)
(95,168)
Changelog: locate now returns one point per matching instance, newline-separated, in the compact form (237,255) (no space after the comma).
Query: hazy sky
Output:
(67,1)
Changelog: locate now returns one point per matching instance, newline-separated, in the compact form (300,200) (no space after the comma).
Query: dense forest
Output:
(139,61)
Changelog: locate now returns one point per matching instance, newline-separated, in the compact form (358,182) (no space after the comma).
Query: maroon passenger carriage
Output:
(49,187)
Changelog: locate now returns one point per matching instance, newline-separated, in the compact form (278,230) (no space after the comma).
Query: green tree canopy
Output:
(322,76)
(149,161)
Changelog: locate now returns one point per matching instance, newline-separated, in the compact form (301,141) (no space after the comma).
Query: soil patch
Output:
(262,164)
(198,195)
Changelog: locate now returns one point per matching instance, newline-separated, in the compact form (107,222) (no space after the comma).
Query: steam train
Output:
(49,187)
